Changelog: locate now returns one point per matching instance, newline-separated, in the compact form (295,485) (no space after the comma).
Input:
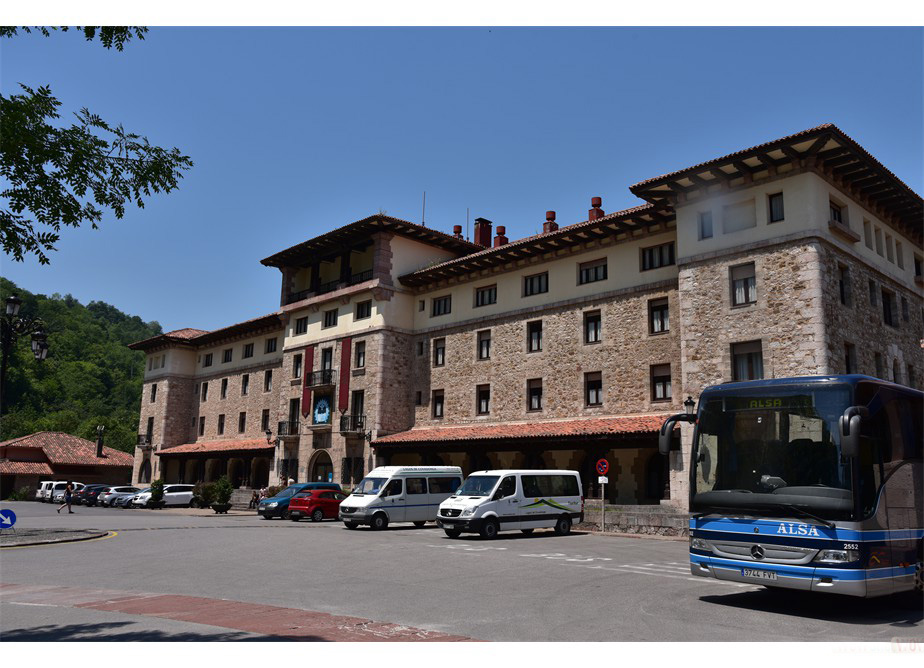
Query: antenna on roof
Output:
(423,215)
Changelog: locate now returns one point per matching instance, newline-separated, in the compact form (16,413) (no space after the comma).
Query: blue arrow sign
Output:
(7,519)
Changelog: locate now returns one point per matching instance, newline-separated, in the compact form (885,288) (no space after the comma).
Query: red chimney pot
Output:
(595,212)
(550,225)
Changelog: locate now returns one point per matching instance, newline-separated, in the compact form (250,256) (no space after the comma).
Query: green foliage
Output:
(223,490)
(157,491)
(204,494)
(21,494)
(56,176)
(90,376)
(109,36)
(273,490)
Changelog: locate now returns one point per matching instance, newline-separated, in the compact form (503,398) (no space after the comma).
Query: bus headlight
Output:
(468,512)
(837,556)
(699,544)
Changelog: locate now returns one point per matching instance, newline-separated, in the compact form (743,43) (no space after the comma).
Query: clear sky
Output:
(296,131)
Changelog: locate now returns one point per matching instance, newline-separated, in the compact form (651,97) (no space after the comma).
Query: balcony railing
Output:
(361,277)
(329,286)
(145,439)
(320,378)
(289,428)
(349,423)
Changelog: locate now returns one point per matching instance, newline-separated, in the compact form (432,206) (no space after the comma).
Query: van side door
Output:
(418,504)
(394,500)
(507,503)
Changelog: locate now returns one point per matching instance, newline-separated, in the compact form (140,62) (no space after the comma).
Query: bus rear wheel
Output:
(379,522)
(563,526)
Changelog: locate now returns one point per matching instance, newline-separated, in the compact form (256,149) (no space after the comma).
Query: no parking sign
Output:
(603,466)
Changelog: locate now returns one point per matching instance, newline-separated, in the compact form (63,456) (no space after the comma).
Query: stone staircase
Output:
(240,498)
(659,520)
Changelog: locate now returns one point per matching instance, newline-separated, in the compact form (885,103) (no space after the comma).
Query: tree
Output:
(66,176)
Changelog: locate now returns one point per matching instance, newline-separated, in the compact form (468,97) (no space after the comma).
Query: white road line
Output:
(642,570)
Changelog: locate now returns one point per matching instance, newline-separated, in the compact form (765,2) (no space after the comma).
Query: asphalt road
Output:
(516,588)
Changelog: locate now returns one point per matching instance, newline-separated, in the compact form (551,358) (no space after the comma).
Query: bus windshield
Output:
(369,486)
(478,485)
(773,449)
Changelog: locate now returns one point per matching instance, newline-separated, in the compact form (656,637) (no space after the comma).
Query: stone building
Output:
(397,343)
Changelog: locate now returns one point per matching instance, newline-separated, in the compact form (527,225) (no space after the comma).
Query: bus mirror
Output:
(667,430)
(849,425)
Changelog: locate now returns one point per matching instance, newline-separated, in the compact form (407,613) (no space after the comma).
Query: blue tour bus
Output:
(811,483)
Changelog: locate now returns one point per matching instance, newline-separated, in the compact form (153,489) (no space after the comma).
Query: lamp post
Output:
(12,326)
(689,405)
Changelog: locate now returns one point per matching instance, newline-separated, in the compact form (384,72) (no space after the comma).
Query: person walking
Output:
(68,493)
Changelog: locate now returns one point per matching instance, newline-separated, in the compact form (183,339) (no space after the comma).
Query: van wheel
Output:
(527,531)
(563,526)
(489,529)
(453,533)
(419,524)
(317,515)
(379,521)
(351,525)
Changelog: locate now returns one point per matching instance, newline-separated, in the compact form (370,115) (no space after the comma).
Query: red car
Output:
(318,504)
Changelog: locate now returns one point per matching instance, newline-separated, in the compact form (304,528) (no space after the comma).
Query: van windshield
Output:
(478,485)
(369,486)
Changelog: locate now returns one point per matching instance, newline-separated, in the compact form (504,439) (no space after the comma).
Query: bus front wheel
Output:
(379,522)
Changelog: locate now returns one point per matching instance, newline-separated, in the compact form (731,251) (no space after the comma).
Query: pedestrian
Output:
(254,500)
(262,493)
(68,492)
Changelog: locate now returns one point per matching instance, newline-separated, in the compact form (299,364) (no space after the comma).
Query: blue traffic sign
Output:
(7,519)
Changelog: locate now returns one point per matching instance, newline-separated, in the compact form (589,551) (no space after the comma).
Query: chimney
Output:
(483,232)
(595,211)
(549,225)
(457,231)
(500,239)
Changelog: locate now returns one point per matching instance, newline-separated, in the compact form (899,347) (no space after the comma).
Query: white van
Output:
(399,494)
(492,501)
(43,493)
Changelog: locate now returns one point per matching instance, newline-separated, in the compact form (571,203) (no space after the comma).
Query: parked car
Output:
(122,501)
(141,498)
(57,492)
(318,504)
(80,497)
(174,495)
(43,489)
(91,494)
(110,493)
(278,506)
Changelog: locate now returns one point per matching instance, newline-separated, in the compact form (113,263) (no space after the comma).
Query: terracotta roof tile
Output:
(217,446)
(25,468)
(188,333)
(62,448)
(632,424)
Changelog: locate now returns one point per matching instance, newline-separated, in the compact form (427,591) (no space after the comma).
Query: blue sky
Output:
(295,131)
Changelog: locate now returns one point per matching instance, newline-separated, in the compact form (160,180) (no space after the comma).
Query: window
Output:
(207,360)
(226,355)
(149,432)
(360,355)
(744,285)
(888,308)
(248,350)
(484,345)
(658,316)
(868,234)
(150,363)
(483,393)
(740,216)
(918,266)
(843,284)
(205,391)
(534,394)
(535,284)
(705,225)
(221,424)
(775,202)
(747,361)
(444,485)
(421,306)
(905,312)
(439,352)
(873,293)
(268,380)
(202,426)
(416,485)
(878,234)
(297,366)
(593,389)
(358,403)
(241,422)
(836,212)
(364,310)
(301,326)
(485,296)
(330,318)
(264,420)
(245,384)
(153,393)
(899,255)
(591,272)
(658,256)
(437,404)
(420,348)
(270,346)
(661,382)
(877,359)
(441,305)
(896,373)
(850,358)
(890,248)
(224,388)
(418,398)
(534,336)
(911,379)
(593,332)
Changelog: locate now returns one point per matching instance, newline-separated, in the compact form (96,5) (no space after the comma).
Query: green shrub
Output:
(274,490)
(22,494)
(223,490)
(157,491)
(204,494)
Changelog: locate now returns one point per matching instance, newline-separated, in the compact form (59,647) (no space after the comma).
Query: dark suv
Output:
(88,495)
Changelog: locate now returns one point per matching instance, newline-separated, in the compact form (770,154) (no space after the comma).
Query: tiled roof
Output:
(254,444)
(200,337)
(188,333)
(25,468)
(603,426)
(62,448)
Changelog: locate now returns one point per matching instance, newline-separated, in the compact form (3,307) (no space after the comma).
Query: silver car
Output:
(111,493)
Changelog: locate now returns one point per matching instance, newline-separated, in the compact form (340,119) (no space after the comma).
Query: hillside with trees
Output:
(89,378)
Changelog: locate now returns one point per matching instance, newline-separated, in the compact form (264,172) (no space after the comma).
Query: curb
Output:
(92,536)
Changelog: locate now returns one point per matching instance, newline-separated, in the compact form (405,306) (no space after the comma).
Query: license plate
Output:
(760,575)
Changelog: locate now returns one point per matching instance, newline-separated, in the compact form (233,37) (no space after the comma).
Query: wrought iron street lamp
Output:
(689,405)
(12,326)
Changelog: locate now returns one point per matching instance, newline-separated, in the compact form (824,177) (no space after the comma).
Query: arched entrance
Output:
(235,472)
(322,468)
(259,472)
(144,475)
(211,470)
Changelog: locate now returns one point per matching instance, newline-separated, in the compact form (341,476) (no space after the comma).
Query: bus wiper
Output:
(805,513)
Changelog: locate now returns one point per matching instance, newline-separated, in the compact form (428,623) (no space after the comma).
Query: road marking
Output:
(657,570)
(111,534)
(467,547)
